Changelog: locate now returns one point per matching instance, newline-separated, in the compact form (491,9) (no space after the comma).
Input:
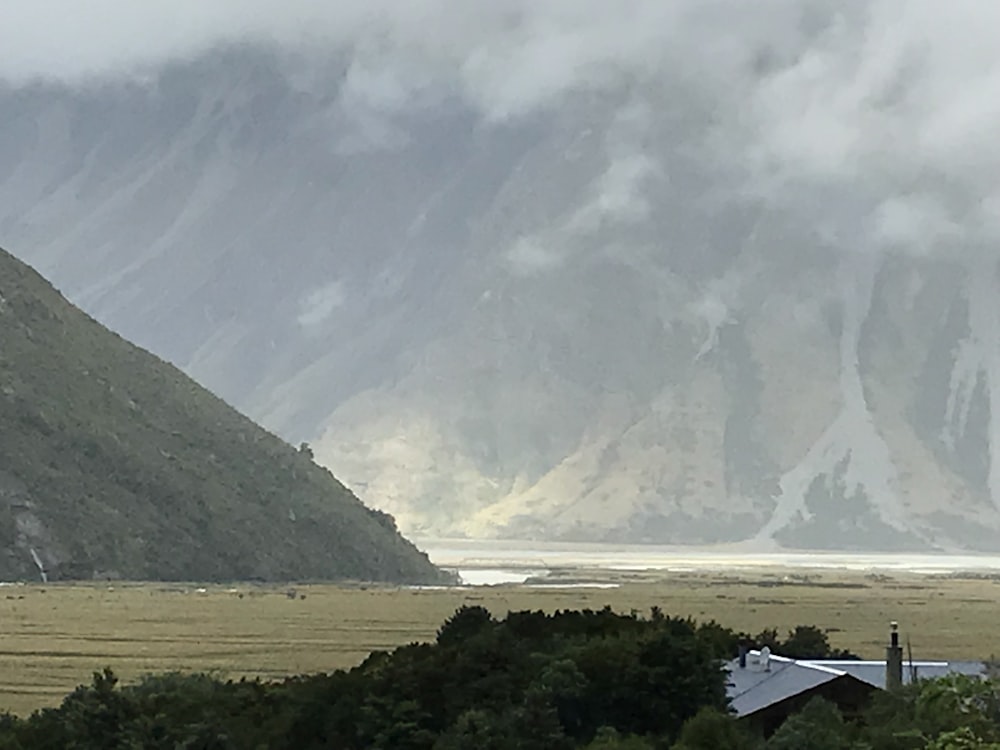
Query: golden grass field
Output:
(55,636)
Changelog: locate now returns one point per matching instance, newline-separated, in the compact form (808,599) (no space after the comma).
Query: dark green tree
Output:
(608,738)
(818,726)
(712,729)
(465,623)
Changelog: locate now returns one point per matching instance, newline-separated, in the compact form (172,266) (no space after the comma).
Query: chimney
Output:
(893,659)
(743,656)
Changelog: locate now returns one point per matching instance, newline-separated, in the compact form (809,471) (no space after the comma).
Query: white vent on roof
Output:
(765,658)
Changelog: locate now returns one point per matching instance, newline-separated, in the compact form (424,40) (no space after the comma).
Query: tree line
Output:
(530,681)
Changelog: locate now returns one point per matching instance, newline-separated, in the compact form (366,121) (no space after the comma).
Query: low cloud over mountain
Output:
(688,271)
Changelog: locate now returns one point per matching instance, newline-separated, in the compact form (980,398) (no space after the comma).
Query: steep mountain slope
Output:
(113,463)
(646,309)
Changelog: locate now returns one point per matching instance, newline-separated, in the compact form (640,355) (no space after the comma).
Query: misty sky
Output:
(890,105)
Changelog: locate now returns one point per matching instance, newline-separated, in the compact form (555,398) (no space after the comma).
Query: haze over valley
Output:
(692,272)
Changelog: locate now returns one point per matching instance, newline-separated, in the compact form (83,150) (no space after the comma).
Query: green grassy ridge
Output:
(114,462)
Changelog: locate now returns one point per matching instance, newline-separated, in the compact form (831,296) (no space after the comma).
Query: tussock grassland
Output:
(54,636)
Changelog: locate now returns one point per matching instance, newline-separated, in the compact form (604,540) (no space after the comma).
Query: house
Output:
(765,688)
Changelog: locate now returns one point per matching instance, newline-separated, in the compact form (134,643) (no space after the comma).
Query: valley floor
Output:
(55,636)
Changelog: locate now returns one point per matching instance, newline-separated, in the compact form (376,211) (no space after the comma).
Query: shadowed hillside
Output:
(114,463)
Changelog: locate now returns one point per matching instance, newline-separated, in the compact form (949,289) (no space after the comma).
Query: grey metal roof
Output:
(873,672)
(753,687)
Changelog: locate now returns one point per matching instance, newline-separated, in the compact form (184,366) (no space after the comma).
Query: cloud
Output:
(320,304)
(886,120)
(529,256)
(874,118)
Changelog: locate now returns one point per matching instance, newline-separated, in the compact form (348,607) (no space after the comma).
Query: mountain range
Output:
(605,319)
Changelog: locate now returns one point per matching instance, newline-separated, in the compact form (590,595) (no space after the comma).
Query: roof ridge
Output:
(807,663)
(881,662)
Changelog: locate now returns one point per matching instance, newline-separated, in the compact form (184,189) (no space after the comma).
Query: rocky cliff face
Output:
(651,309)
